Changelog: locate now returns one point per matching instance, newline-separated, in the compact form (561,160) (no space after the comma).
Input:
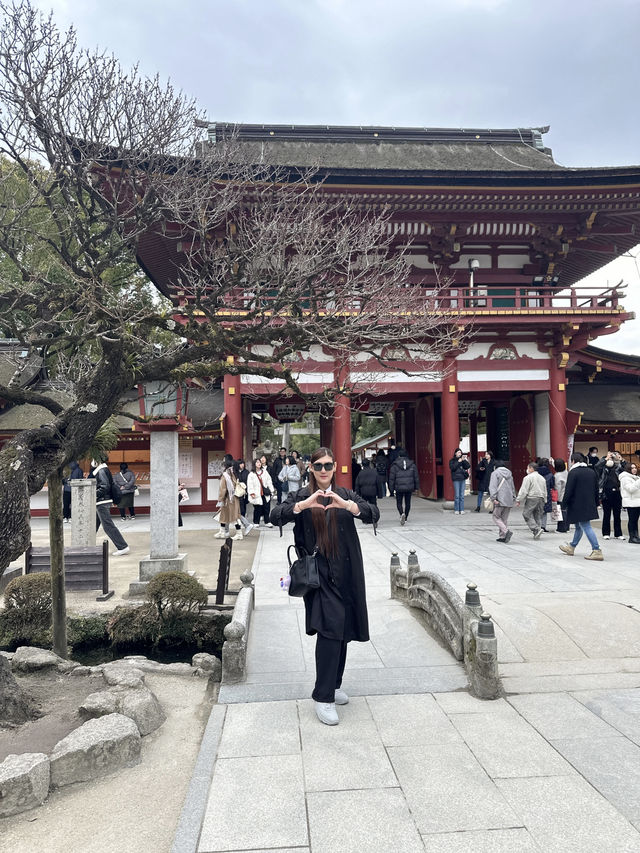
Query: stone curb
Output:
(195,804)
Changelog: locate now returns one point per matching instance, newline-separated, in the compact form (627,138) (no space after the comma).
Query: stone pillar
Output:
(558,411)
(163,553)
(342,440)
(233,416)
(450,428)
(83,513)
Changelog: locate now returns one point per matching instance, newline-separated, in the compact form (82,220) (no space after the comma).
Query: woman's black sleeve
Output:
(368,512)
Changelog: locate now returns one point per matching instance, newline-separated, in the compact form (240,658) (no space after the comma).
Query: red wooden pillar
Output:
(473,446)
(232,416)
(450,428)
(342,440)
(558,411)
(326,429)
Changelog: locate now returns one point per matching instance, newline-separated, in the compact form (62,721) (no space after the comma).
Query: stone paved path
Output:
(416,763)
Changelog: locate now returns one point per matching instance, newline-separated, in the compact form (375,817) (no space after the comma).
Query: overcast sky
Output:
(572,64)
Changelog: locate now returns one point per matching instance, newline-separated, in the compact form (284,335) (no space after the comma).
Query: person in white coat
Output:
(630,492)
(260,490)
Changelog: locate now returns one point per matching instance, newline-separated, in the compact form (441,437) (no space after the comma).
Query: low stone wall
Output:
(234,649)
(462,625)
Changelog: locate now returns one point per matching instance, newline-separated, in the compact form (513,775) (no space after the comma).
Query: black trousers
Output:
(611,503)
(331,656)
(262,511)
(407,502)
(66,504)
(633,512)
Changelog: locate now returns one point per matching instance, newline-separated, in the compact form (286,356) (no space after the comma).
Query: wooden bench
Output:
(84,567)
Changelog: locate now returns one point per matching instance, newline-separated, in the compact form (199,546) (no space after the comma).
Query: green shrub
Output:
(176,592)
(85,632)
(26,619)
(133,625)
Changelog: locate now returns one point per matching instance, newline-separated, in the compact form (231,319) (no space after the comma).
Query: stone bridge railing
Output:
(462,625)
(236,633)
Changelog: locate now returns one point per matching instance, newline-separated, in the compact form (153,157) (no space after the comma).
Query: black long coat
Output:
(338,609)
(580,498)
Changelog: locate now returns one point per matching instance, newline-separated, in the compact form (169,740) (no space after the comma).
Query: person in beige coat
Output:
(533,494)
(229,505)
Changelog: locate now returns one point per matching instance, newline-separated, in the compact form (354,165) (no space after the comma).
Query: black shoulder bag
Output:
(303,572)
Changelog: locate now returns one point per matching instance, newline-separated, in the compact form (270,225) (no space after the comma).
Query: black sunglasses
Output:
(328,466)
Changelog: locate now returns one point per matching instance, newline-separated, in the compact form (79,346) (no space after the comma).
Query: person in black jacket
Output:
(544,469)
(104,499)
(483,472)
(381,467)
(75,473)
(459,468)
(367,483)
(580,505)
(337,611)
(403,480)
(608,469)
(275,469)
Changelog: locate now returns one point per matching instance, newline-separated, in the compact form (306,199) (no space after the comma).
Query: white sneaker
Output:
(606,537)
(269,524)
(326,713)
(461,512)
(403,518)
(121,552)
(221,534)
(237,536)
(341,698)
(621,538)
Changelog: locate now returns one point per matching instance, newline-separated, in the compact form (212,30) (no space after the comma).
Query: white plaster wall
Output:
(543,432)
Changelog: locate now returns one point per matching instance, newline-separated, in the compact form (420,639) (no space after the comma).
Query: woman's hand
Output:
(317,499)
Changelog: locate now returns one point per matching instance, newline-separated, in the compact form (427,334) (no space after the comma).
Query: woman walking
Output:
(229,504)
(125,480)
(630,491)
(290,474)
(484,470)
(459,468)
(260,490)
(561,484)
(502,492)
(403,480)
(324,514)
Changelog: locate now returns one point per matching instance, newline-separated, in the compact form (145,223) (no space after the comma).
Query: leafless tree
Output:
(267,264)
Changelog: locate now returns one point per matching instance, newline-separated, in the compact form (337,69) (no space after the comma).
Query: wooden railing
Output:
(480,298)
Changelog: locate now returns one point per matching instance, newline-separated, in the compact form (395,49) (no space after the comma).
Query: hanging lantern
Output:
(377,408)
(287,411)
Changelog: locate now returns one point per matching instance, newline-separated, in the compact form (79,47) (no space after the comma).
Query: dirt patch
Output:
(58,698)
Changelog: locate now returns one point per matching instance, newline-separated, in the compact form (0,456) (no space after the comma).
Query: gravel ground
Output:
(135,810)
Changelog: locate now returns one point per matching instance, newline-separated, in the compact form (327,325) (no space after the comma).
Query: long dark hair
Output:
(326,528)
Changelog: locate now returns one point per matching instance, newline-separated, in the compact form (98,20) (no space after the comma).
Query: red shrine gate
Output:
(513,231)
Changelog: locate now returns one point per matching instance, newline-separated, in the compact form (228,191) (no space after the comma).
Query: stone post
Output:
(413,566)
(83,513)
(163,553)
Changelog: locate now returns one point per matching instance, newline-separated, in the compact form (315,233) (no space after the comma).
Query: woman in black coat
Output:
(336,612)
(459,468)
(483,472)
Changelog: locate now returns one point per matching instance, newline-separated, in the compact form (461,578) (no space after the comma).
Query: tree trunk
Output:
(56,547)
